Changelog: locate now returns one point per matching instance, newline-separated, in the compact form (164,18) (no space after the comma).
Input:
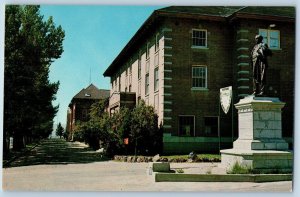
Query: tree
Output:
(144,131)
(59,130)
(31,45)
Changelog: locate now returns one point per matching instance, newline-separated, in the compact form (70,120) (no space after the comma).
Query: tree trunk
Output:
(5,145)
(18,142)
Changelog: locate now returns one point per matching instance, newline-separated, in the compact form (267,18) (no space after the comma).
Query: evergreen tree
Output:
(59,130)
(31,45)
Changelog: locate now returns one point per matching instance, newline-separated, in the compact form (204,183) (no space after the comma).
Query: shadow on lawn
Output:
(58,151)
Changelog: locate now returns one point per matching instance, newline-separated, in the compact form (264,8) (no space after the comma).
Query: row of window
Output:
(199,73)
(271,37)
(199,79)
(187,125)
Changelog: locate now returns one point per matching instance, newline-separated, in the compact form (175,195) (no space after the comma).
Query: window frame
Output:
(120,83)
(268,31)
(211,134)
(156,79)
(148,50)
(139,67)
(206,76)
(194,128)
(200,30)
(147,84)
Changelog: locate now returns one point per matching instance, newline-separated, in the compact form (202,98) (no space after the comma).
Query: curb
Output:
(171,177)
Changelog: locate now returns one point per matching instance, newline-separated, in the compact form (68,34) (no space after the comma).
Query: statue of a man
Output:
(259,55)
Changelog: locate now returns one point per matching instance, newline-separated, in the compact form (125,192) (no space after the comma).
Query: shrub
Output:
(239,169)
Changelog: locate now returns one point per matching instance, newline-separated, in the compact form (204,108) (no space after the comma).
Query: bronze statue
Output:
(259,55)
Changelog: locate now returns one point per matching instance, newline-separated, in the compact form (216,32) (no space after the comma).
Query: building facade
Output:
(79,107)
(180,58)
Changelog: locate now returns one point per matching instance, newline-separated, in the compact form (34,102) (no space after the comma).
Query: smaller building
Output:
(80,105)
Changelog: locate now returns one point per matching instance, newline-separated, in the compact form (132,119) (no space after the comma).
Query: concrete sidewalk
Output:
(199,168)
(57,165)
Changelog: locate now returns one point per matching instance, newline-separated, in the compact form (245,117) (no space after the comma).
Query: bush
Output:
(139,125)
(239,169)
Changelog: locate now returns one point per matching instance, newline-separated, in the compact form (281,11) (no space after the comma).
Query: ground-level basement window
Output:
(186,125)
(211,126)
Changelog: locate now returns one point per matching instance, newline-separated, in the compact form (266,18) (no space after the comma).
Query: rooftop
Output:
(221,13)
(92,92)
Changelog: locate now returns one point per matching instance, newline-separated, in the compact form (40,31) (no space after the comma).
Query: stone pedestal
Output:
(260,145)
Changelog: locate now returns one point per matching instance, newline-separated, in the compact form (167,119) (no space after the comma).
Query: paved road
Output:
(56,169)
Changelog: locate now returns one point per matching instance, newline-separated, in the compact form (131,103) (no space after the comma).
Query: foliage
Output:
(139,125)
(239,169)
(59,130)
(144,130)
(31,45)
(180,170)
(199,158)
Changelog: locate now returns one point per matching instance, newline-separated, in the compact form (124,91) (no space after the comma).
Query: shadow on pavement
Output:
(58,151)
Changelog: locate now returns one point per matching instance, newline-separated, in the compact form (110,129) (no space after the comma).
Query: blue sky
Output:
(94,36)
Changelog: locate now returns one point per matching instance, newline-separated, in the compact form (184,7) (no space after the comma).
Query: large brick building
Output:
(79,107)
(181,56)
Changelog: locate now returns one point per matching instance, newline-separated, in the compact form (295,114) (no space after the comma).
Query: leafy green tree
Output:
(31,45)
(59,130)
(144,131)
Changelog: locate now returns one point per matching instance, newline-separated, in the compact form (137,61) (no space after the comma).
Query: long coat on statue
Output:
(259,55)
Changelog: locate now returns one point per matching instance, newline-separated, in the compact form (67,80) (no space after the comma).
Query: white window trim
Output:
(156,79)
(268,36)
(147,85)
(194,124)
(156,58)
(147,66)
(200,47)
(139,67)
(200,88)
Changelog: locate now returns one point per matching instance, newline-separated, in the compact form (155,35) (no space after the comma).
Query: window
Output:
(156,60)
(199,38)
(199,76)
(139,88)
(147,50)
(157,42)
(119,83)
(211,126)
(116,84)
(129,88)
(186,125)
(147,84)
(156,103)
(139,68)
(271,37)
(147,66)
(156,79)
(126,78)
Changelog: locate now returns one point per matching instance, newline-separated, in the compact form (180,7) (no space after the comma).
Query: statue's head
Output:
(258,39)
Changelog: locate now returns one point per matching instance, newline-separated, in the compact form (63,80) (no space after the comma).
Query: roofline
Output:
(148,22)
(245,15)
(159,13)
